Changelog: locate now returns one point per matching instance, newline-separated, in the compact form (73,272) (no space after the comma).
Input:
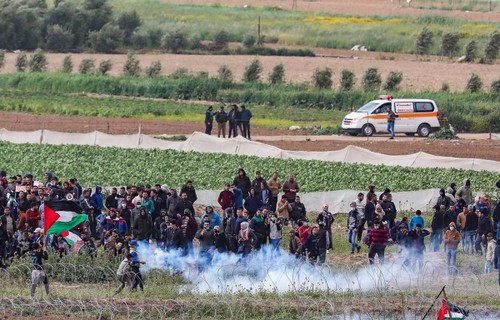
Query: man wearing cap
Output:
(226,197)
(221,118)
(377,241)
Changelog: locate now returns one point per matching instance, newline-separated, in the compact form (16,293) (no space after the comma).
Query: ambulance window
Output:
(424,107)
(383,108)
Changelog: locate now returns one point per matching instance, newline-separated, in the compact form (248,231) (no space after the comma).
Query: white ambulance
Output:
(412,116)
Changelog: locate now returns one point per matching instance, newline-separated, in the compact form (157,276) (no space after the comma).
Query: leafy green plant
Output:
(131,67)
(372,80)
(67,65)
(475,84)
(444,134)
(104,67)
(322,78)
(393,80)
(224,73)
(253,71)
(424,42)
(278,74)
(347,80)
(449,44)
(86,66)
(154,69)
(38,61)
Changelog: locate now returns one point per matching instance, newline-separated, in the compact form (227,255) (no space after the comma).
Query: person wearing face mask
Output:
(451,240)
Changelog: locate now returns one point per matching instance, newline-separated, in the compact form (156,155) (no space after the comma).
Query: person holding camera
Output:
(275,231)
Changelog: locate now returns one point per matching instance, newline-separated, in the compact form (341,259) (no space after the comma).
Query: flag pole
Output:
(446,298)
(432,305)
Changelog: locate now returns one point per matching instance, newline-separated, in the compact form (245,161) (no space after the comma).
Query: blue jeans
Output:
(451,257)
(469,241)
(498,230)
(351,236)
(275,244)
(390,129)
(487,266)
(322,256)
(436,239)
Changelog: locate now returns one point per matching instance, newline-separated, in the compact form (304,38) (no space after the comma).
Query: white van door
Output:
(378,118)
(404,121)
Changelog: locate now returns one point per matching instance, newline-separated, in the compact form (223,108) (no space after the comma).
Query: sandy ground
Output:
(417,75)
(470,146)
(362,7)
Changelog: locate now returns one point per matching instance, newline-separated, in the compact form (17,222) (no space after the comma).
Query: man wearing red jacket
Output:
(377,241)
(33,216)
(226,198)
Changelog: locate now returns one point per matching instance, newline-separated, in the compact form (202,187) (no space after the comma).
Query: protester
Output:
(298,212)
(274,185)
(311,245)
(290,188)
(325,219)
(275,231)
(451,240)
(354,220)
(490,252)
(437,227)
(123,274)
(377,241)
(417,246)
(417,219)
(135,267)
(38,275)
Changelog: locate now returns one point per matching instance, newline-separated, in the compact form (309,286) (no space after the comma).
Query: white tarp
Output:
(203,143)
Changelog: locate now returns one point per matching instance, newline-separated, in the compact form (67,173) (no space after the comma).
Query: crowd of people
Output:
(238,118)
(252,215)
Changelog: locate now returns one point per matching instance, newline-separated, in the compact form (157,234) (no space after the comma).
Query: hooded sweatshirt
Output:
(452,238)
(466,192)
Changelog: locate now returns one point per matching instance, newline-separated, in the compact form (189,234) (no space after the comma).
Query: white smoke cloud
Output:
(277,272)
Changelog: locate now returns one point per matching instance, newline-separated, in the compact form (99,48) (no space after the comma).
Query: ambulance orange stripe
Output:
(404,115)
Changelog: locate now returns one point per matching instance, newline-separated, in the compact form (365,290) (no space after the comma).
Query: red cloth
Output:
(443,311)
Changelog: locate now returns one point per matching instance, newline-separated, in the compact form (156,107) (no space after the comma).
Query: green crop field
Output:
(388,34)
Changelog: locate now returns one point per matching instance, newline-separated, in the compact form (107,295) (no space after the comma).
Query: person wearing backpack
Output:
(221,117)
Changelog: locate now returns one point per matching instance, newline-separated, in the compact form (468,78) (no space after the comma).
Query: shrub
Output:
(38,61)
(131,67)
(155,36)
(372,80)
(224,73)
(175,41)
(495,87)
(449,44)
(471,51)
(86,66)
(253,71)
(278,74)
(322,78)
(140,40)
(249,40)
(475,84)
(221,38)
(492,47)
(58,38)
(393,80)
(128,22)
(2,58)
(266,51)
(425,40)
(180,73)
(154,69)
(195,42)
(104,67)
(445,87)
(67,65)
(460,123)
(347,80)
(107,39)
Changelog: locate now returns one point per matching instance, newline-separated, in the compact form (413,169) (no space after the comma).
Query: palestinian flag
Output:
(60,216)
(70,237)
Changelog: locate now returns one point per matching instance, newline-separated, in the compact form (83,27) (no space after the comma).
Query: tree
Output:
(278,74)
(38,61)
(347,80)
(154,69)
(21,62)
(2,58)
(475,84)
(86,66)
(249,40)
(322,78)
(224,73)
(67,66)
(424,41)
(98,12)
(107,39)
(128,22)
(59,39)
(175,41)
(21,24)
(253,71)
(449,44)
(492,47)
(393,80)
(372,80)
(104,67)
(131,67)
(221,38)
(471,51)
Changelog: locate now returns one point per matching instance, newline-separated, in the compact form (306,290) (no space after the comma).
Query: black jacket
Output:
(244,184)
(298,211)
(471,222)
(191,193)
(437,221)
(484,226)
(370,213)
(390,210)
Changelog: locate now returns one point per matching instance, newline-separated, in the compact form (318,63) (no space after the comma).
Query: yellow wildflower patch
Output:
(350,20)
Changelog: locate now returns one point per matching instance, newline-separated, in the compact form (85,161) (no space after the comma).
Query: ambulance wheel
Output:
(368,130)
(424,130)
